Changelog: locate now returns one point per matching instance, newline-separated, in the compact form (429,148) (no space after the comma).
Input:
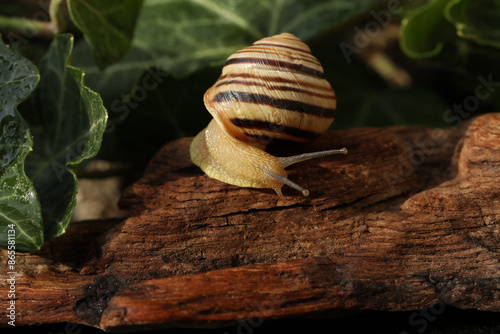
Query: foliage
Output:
(67,121)
(150,61)
(424,31)
(462,37)
(107,25)
(477,20)
(18,201)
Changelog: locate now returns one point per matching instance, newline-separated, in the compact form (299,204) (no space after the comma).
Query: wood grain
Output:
(409,218)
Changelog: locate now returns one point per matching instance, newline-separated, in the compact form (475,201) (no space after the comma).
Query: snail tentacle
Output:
(286,181)
(287,161)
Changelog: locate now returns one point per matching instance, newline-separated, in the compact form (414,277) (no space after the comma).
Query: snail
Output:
(271,90)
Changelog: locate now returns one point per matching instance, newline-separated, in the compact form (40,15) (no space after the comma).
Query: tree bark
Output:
(410,217)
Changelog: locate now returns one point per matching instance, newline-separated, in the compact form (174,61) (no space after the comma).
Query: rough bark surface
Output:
(408,218)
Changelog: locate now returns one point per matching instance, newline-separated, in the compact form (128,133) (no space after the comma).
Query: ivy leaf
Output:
(477,20)
(107,25)
(18,200)
(181,37)
(68,121)
(424,31)
(196,33)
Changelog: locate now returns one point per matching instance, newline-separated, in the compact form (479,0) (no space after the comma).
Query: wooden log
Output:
(409,218)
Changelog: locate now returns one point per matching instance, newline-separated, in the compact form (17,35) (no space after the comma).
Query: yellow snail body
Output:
(272,90)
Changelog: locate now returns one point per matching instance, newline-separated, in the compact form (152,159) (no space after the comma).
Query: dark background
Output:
(449,321)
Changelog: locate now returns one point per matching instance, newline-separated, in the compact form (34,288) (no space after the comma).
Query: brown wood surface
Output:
(408,218)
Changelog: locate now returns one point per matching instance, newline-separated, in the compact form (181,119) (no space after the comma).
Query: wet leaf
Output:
(67,121)
(18,199)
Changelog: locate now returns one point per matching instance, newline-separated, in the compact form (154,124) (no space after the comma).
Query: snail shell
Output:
(272,90)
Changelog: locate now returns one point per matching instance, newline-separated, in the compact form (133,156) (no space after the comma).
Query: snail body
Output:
(272,90)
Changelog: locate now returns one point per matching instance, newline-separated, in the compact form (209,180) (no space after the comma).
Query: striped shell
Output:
(273,89)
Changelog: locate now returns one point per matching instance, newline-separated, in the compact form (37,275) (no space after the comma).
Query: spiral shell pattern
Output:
(274,89)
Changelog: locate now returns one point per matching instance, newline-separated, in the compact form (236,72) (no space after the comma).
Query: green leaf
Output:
(68,121)
(18,200)
(425,30)
(196,33)
(115,80)
(108,26)
(181,37)
(477,20)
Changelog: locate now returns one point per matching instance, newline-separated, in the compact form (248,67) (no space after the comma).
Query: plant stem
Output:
(27,27)
(56,16)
